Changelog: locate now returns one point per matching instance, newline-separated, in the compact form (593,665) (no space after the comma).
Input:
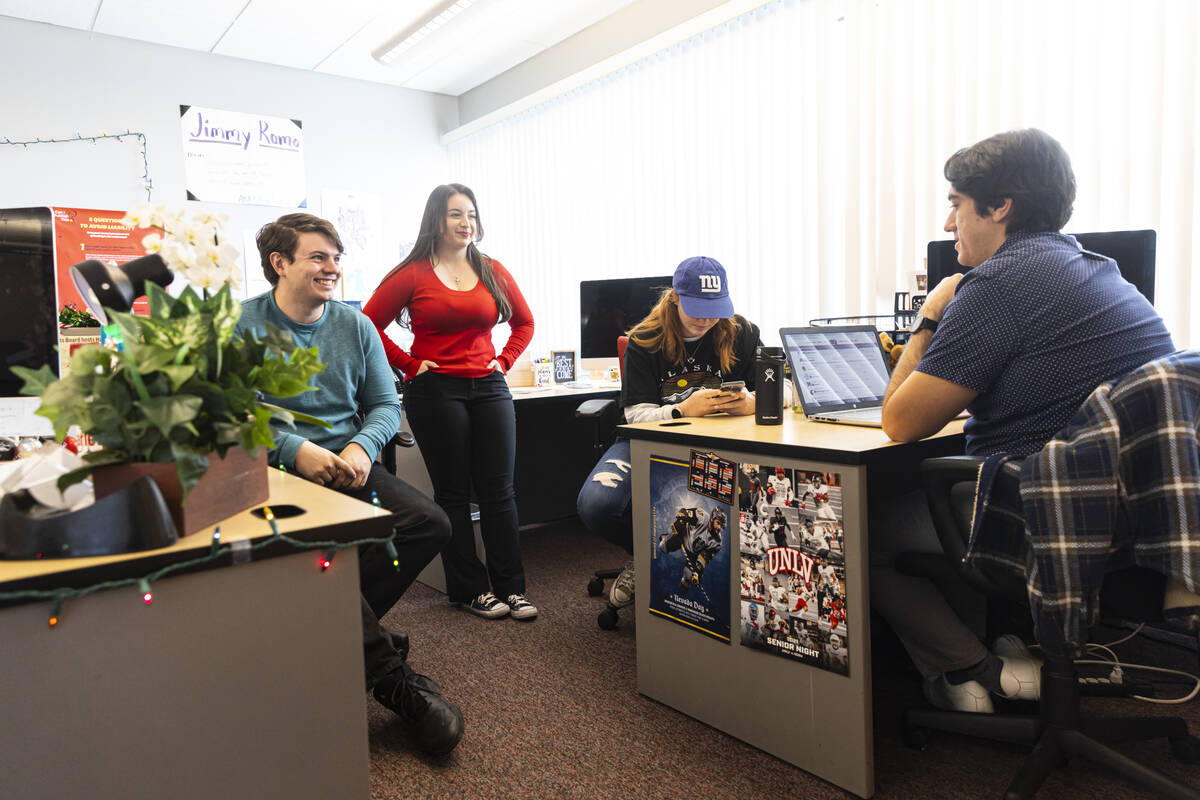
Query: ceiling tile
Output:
(296,33)
(337,36)
(179,24)
(67,13)
(497,38)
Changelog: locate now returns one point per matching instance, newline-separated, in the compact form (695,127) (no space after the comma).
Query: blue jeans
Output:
(605,503)
(467,430)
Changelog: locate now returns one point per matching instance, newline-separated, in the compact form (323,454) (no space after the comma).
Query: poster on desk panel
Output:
(793,565)
(689,548)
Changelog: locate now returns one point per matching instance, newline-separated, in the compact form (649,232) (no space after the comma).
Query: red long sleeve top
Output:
(451,328)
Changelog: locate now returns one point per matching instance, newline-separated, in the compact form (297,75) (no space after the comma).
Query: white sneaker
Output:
(520,607)
(969,696)
(1021,677)
(621,593)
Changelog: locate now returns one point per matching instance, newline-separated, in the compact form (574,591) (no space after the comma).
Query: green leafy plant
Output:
(181,385)
(72,317)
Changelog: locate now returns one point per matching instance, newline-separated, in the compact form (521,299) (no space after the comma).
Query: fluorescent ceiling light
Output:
(437,16)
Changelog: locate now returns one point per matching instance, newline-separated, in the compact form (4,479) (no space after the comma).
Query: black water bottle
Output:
(768,386)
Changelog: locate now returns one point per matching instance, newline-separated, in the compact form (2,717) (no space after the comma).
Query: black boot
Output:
(399,641)
(434,722)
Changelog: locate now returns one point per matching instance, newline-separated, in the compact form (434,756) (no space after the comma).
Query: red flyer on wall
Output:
(82,233)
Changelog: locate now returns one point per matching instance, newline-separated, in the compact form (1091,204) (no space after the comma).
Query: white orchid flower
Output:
(193,248)
(164,218)
(139,216)
(213,218)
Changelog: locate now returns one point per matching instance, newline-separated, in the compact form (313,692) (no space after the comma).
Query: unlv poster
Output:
(793,565)
(689,541)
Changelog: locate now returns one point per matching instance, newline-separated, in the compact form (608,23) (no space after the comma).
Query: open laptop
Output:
(839,372)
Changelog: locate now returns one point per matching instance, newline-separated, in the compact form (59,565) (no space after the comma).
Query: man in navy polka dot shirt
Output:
(1020,341)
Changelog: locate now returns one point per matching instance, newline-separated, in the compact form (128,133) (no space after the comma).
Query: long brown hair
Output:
(662,331)
(433,225)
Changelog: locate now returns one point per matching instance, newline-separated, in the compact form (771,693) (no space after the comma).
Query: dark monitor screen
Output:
(609,308)
(1134,252)
(28,302)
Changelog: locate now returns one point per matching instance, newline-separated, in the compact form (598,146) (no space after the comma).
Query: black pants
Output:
(467,430)
(421,530)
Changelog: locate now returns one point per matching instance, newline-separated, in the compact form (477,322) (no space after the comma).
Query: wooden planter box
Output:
(231,484)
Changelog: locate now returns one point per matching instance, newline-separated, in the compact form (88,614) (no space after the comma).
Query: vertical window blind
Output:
(802,145)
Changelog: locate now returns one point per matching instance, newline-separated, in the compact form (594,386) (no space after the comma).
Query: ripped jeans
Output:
(605,503)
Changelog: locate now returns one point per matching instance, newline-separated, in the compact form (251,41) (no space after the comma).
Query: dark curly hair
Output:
(1029,166)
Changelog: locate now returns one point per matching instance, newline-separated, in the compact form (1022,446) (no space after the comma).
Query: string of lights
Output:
(120,137)
(217,550)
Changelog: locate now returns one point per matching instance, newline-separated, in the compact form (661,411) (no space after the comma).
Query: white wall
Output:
(58,82)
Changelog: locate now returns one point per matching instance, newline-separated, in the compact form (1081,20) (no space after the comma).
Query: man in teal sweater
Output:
(356,395)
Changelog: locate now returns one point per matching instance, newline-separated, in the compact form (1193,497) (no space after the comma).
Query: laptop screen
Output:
(835,368)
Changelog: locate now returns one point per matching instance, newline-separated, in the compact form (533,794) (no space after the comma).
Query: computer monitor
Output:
(1134,252)
(28,298)
(609,308)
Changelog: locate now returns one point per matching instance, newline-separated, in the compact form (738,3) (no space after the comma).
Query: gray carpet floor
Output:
(552,711)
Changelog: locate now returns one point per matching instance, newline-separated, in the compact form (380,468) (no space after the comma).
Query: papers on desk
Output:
(573,385)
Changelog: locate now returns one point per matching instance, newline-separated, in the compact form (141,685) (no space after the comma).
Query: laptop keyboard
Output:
(864,413)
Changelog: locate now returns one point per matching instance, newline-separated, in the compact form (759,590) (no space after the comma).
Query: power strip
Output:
(1107,687)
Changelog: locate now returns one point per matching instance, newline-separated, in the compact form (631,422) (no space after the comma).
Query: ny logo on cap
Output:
(710,283)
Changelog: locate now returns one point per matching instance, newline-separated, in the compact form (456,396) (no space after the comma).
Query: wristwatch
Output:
(923,323)
(676,413)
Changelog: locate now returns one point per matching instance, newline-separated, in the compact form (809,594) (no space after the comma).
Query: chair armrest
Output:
(404,439)
(939,474)
(596,408)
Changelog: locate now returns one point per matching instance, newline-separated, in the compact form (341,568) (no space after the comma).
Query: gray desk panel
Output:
(815,719)
(237,682)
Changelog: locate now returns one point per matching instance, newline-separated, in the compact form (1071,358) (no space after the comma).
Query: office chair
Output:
(401,438)
(1058,731)
(604,414)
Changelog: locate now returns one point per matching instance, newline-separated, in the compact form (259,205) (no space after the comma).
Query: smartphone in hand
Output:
(733,387)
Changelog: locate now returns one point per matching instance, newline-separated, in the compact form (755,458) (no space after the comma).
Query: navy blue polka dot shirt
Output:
(1034,329)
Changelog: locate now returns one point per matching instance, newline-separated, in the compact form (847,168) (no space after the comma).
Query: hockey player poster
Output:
(690,530)
(793,566)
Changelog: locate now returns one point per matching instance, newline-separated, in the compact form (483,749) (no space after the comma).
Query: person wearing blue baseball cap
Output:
(676,361)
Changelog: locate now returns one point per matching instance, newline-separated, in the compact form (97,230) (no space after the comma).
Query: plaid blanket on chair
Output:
(1119,486)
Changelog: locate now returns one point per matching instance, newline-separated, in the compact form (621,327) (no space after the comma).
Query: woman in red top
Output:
(455,397)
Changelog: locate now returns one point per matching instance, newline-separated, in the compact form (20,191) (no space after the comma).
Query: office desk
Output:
(237,681)
(814,718)
(555,451)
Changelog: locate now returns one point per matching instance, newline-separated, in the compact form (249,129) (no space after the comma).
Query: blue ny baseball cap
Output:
(703,288)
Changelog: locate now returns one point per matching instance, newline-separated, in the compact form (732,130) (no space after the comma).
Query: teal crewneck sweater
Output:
(356,376)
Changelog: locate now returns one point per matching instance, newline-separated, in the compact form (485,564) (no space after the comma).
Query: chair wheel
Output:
(595,587)
(607,619)
(1186,749)
(916,737)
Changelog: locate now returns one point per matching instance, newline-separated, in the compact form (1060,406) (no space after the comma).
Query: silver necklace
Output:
(691,357)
